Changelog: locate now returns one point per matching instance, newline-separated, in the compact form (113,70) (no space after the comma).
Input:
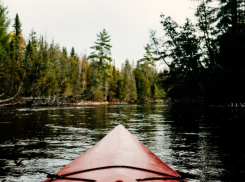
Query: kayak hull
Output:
(118,148)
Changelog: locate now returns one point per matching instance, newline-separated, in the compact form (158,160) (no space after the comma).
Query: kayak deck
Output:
(118,157)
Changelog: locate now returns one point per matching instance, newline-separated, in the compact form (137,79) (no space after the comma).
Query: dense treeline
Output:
(34,68)
(206,60)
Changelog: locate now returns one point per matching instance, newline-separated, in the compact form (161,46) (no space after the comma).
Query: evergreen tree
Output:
(17,37)
(28,76)
(185,79)
(17,25)
(102,52)
(72,52)
(4,24)
(4,50)
(142,82)
(206,18)
(154,91)
(14,69)
(64,75)
(133,93)
(83,73)
(226,27)
(120,90)
(129,89)
(44,59)
(114,84)
(89,81)
(37,65)
(74,75)
(38,69)
(149,55)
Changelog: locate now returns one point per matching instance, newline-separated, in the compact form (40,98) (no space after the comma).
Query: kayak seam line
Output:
(169,177)
(129,167)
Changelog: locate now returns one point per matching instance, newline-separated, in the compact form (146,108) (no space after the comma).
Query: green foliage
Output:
(72,52)
(148,56)
(17,26)
(120,90)
(97,96)
(205,61)
(42,69)
(129,85)
(7,57)
(4,24)
(142,76)
(102,50)
(182,49)
(154,91)
(113,90)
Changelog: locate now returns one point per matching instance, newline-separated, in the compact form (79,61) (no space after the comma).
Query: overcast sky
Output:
(76,22)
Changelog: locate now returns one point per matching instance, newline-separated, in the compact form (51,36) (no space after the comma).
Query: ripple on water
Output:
(195,147)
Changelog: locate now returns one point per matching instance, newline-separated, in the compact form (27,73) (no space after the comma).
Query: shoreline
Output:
(82,103)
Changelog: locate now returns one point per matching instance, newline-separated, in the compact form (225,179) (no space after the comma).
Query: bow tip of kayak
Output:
(120,126)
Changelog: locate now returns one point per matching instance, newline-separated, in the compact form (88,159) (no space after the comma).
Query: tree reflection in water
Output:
(201,144)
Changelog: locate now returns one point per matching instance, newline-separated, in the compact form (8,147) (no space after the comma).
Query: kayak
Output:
(118,157)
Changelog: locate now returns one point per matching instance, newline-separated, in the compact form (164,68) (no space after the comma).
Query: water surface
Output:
(201,144)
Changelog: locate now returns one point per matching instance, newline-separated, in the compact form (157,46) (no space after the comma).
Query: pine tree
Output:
(206,17)
(154,91)
(4,51)
(43,57)
(17,46)
(114,84)
(120,90)
(129,91)
(89,81)
(14,68)
(83,73)
(149,55)
(74,73)
(17,25)
(18,38)
(37,65)
(141,73)
(102,52)
(27,75)
(63,71)
(72,52)
(133,93)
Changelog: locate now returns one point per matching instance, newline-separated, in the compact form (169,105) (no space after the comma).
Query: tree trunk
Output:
(106,88)
(11,98)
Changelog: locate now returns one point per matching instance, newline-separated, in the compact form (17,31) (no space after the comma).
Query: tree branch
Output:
(155,43)
(11,97)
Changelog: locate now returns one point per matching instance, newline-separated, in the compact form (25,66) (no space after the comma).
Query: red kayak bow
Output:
(118,157)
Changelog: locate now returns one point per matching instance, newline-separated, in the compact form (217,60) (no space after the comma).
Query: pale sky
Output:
(77,22)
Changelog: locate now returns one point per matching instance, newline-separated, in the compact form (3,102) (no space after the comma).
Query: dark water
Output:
(200,144)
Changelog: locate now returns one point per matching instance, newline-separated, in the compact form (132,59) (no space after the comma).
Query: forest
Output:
(205,62)
(206,59)
(34,68)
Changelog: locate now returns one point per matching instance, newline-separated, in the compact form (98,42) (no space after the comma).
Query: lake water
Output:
(202,144)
